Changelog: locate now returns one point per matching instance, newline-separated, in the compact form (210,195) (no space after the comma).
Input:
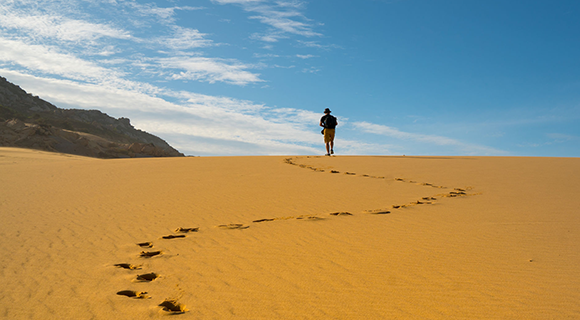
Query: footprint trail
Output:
(172,306)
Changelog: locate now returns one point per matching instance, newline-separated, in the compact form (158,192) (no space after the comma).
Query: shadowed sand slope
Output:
(289,237)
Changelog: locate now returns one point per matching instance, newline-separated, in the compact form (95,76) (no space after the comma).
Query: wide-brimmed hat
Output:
(327,110)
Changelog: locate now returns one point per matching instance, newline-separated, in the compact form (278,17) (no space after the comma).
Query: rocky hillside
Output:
(30,122)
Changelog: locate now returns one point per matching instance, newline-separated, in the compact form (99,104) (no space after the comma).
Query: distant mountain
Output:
(30,122)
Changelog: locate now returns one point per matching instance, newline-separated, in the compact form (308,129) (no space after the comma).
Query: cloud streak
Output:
(211,70)
(464,148)
(183,39)
(151,9)
(60,28)
(283,17)
(50,60)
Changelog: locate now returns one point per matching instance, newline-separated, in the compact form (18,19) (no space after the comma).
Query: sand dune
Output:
(289,237)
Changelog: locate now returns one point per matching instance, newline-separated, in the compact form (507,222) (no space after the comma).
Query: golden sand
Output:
(289,237)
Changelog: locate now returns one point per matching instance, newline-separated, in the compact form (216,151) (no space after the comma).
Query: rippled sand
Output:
(289,237)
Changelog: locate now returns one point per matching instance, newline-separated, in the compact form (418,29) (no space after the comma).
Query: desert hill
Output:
(346,237)
(28,121)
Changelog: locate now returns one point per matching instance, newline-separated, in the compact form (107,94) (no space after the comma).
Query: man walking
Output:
(328,122)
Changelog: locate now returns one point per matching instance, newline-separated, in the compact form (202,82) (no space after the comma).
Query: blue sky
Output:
(252,77)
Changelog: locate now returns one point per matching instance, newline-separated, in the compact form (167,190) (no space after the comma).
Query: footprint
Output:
(454,194)
(233,226)
(145,244)
(341,214)
(399,179)
(429,198)
(350,173)
(310,218)
(186,230)
(378,211)
(149,254)
(263,220)
(396,206)
(171,236)
(172,306)
(147,277)
(128,266)
(459,189)
(134,294)
(334,171)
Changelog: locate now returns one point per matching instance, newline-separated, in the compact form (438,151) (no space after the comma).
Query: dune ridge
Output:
(288,238)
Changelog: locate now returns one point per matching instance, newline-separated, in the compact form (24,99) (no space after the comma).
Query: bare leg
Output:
(328,147)
(331,147)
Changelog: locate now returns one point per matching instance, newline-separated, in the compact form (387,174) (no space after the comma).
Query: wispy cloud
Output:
(44,22)
(464,148)
(316,44)
(267,55)
(310,70)
(561,137)
(209,69)
(284,67)
(183,39)
(50,60)
(61,28)
(151,9)
(284,18)
(552,139)
(396,133)
(269,37)
(245,2)
(286,25)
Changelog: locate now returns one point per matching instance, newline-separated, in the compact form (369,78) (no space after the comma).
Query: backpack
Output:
(330,122)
